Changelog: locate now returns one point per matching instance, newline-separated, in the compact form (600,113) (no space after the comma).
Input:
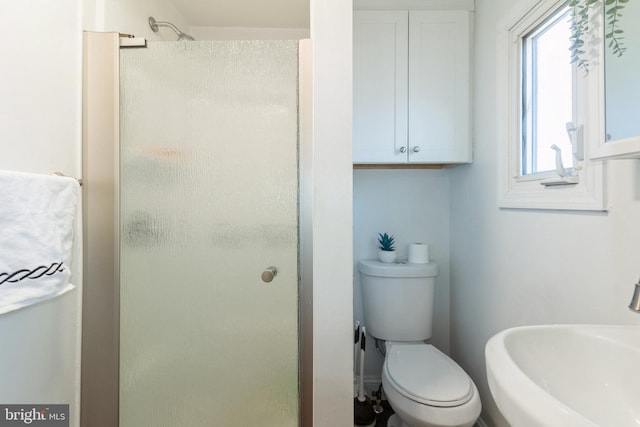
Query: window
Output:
(547,94)
(541,111)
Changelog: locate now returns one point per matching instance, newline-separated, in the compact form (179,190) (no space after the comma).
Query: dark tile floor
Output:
(381,419)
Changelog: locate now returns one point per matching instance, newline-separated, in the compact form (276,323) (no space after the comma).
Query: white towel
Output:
(36,233)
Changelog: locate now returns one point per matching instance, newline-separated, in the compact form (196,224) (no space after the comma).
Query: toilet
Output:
(424,386)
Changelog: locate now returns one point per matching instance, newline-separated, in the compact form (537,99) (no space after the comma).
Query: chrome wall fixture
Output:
(635,300)
(155,24)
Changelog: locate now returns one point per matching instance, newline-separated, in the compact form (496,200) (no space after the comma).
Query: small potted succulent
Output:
(387,252)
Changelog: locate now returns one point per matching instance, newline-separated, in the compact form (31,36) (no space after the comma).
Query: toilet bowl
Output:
(428,389)
(423,385)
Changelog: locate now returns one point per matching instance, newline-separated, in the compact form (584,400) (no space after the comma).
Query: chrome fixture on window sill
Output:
(570,175)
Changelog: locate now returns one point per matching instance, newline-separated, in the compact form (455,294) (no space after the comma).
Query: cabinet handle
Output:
(403,149)
(416,149)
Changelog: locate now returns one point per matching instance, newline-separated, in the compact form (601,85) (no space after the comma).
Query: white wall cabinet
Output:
(411,73)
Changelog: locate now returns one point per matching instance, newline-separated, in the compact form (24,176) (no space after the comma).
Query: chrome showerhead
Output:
(184,36)
(155,24)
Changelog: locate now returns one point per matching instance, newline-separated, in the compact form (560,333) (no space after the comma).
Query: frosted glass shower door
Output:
(208,203)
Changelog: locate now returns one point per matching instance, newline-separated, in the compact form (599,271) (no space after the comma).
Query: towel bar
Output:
(61,174)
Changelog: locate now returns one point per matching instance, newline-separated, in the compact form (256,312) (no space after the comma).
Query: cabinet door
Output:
(380,49)
(439,91)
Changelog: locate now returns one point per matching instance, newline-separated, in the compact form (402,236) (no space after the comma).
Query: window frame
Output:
(600,147)
(526,191)
(529,86)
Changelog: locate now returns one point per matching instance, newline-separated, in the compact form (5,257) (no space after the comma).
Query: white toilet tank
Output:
(398,299)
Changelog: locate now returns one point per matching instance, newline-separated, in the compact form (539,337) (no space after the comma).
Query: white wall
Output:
(517,267)
(131,17)
(40,114)
(413,205)
(331,22)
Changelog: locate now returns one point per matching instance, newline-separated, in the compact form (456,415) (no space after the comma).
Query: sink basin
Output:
(566,375)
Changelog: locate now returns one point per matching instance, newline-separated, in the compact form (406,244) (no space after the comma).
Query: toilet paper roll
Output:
(418,253)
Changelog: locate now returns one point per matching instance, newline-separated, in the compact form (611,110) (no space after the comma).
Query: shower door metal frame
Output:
(101,226)
(100,212)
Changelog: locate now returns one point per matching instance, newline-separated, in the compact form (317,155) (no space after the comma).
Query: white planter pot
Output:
(387,256)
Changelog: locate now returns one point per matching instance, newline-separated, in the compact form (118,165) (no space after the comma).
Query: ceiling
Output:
(245,13)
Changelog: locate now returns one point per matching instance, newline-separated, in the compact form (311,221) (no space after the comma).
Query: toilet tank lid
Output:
(376,268)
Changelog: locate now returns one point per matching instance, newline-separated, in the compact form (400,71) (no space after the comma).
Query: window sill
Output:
(587,194)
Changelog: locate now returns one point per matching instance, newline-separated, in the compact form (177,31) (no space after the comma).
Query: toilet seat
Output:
(424,374)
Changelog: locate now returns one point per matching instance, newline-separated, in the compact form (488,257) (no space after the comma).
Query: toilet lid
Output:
(424,374)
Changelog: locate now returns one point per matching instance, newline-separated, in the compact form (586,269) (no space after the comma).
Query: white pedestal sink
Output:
(566,375)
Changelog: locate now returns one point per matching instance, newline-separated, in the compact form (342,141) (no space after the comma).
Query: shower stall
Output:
(199,182)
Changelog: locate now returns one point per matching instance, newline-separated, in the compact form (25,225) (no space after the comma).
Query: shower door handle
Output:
(269,273)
